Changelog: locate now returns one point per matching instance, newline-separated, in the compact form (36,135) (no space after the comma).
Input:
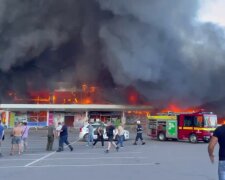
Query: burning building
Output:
(125,51)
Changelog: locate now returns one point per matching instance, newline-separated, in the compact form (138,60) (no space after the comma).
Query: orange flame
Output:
(174,108)
(221,120)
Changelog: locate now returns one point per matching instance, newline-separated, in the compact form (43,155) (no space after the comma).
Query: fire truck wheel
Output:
(193,138)
(162,136)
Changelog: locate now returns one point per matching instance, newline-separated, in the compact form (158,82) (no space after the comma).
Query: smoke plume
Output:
(159,47)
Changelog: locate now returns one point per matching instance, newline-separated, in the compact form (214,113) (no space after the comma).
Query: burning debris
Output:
(159,49)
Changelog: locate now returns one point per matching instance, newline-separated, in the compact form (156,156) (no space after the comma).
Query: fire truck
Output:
(195,126)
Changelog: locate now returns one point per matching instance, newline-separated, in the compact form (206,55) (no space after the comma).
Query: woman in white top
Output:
(120,133)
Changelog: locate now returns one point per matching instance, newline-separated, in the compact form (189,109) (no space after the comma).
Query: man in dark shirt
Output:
(109,131)
(63,138)
(218,137)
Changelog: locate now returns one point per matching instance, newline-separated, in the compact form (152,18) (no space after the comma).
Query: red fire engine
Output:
(197,126)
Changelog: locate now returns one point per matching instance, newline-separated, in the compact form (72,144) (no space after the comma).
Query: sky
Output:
(213,11)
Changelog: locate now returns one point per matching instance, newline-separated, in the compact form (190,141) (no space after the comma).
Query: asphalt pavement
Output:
(170,160)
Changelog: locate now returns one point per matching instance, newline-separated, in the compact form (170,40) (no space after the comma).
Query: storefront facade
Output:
(72,115)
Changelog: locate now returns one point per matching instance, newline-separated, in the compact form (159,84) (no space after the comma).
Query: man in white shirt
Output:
(58,129)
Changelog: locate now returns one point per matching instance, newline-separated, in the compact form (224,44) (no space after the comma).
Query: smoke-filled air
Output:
(158,47)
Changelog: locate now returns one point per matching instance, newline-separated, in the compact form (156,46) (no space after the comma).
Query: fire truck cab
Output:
(197,126)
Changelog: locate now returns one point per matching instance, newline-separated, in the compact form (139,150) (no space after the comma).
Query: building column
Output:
(47,118)
(123,118)
(7,118)
(86,116)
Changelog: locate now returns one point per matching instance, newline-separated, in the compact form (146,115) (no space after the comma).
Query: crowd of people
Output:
(19,141)
(19,134)
(113,133)
(19,137)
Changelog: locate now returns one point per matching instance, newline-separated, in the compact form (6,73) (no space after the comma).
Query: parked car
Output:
(83,135)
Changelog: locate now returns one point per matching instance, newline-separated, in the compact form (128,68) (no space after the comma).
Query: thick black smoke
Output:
(157,46)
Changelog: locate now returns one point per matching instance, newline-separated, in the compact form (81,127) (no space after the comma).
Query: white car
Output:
(83,135)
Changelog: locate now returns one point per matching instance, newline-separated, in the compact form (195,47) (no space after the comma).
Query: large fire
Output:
(176,109)
(85,94)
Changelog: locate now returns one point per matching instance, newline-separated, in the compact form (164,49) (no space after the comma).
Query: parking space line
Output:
(100,152)
(83,153)
(78,158)
(35,154)
(95,165)
(46,156)
(9,167)
(17,160)
(95,158)
(84,165)
(37,160)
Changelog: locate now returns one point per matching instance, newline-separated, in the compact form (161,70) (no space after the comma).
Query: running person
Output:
(109,130)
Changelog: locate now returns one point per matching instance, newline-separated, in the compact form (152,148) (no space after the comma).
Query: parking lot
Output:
(169,160)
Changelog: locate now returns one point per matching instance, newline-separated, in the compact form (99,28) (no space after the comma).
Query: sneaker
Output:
(135,143)
(58,150)
(143,143)
(117,148)
(71,149)
(106,151)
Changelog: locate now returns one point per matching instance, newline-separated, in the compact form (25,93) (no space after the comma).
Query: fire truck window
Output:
(188,121)
(198,121)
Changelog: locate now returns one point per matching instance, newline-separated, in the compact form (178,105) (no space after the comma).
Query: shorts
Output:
(16,140)
(24,139)
(110,138)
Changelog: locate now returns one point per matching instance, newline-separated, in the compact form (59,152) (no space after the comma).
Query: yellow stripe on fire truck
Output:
(162,117)
(197,128)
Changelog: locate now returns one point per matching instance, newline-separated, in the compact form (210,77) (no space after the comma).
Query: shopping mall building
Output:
(74,115)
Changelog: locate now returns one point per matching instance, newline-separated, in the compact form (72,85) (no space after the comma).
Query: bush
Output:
(117,123)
